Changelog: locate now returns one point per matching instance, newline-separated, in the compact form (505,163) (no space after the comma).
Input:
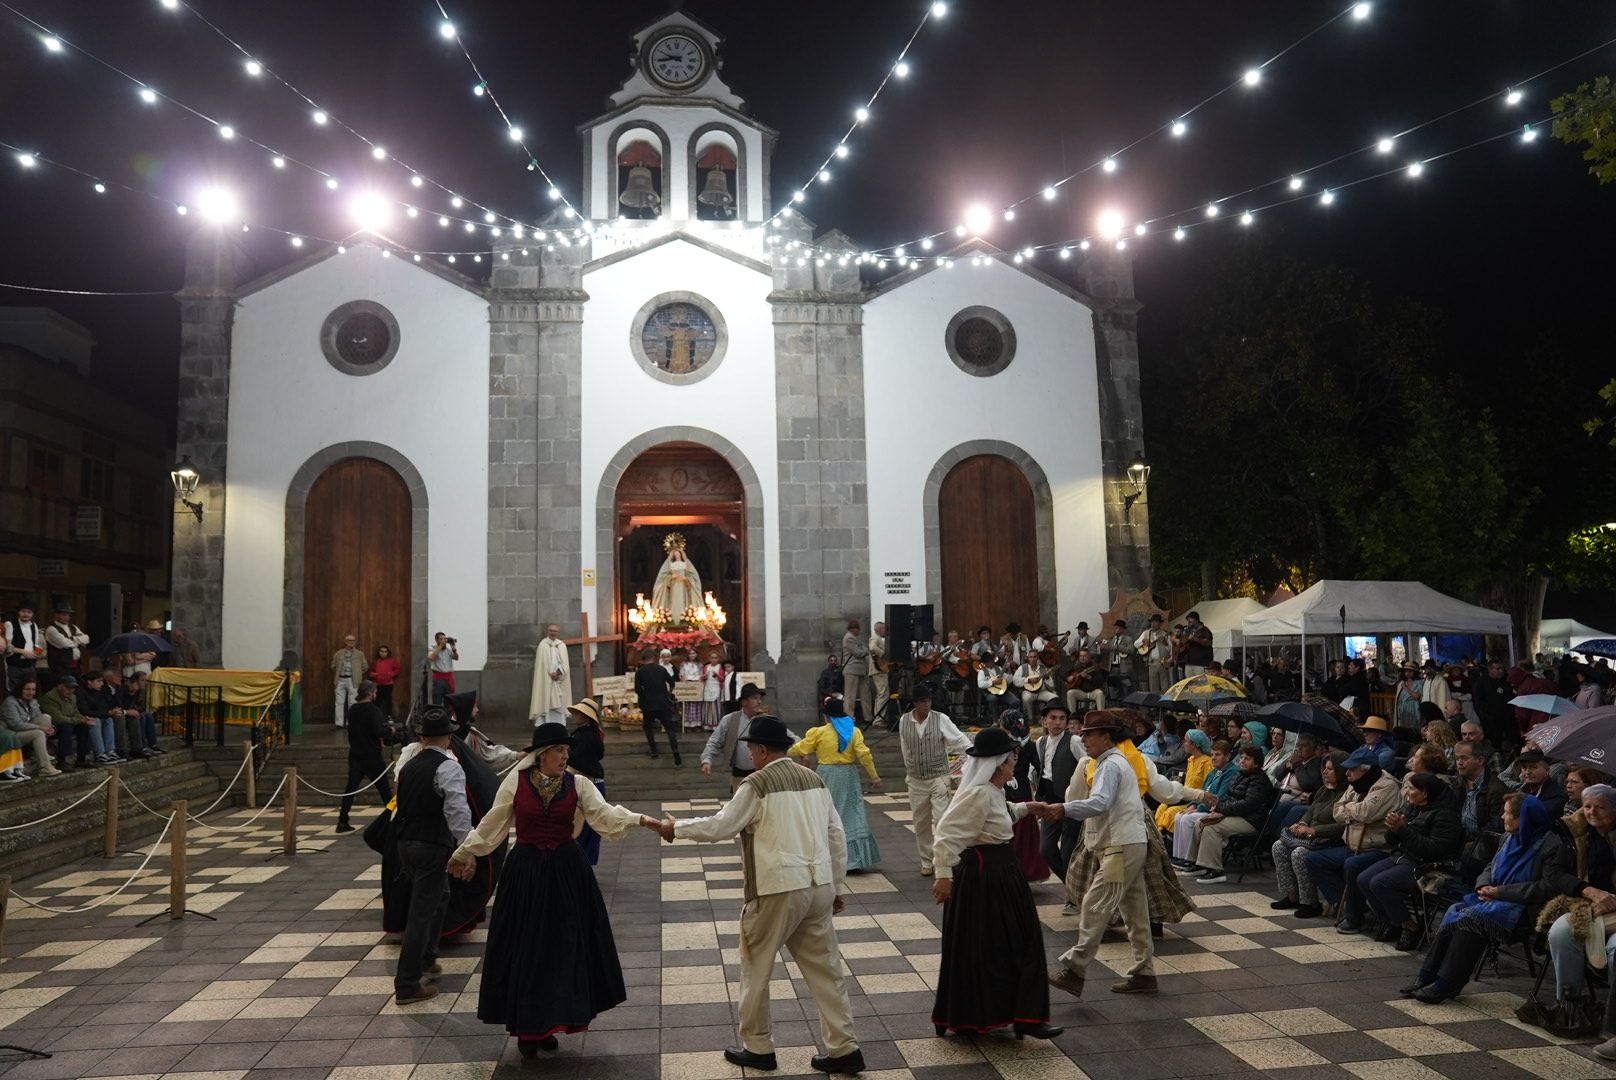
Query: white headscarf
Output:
(978,772)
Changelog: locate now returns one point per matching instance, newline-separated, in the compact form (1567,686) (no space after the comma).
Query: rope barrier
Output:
(216,828)
(59,813)
(239,769)
(343,794)
(107,899)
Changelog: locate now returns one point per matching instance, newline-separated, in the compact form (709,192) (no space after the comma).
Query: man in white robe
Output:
(552,680)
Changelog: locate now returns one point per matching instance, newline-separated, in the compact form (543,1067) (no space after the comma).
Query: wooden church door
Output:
(988,547)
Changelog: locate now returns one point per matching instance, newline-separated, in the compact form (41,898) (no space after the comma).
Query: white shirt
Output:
(1159,642)
(1112,811)
(953,738)
(66,636)
(608,820)
(978,816)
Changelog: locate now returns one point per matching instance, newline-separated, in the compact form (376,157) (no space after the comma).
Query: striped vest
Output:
(924,755)
(787,846)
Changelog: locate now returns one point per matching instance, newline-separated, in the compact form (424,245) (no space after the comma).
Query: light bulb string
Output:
(370,143)
(488,92)
(931,12)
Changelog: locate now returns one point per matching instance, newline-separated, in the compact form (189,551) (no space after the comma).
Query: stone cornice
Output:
(806,306)
(537,305)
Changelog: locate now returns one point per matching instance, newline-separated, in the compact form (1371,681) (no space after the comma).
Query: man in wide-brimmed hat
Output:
(794,858)
(726,746)
(1108,803)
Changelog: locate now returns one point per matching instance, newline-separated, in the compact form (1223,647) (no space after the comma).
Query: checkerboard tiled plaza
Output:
(293,981)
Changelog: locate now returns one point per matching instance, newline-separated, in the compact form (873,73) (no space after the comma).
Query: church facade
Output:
(391,448)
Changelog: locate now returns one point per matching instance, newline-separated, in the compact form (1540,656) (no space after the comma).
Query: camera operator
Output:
(445,651)
(368,736)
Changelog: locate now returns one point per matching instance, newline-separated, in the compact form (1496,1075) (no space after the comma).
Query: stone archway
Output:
(608,610)
(1043,521)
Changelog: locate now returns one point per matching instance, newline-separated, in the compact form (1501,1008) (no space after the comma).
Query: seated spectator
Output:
(1255,733)
(1510,892)
(1210,725)
(1481,807)
(135,698)
(1440,734)
(1277,754)
(74,731)
(1427,833)
(1189,818)
(1241,811)
(1589,695)
(1164,747)
(22,717)
(1196,771)
(1376,734)
(1428,759)
(1298,780)
(1470,732)
(96,704)
(1533,769)
(1371,794)
(1316,829)
(1589,896)
(129,743)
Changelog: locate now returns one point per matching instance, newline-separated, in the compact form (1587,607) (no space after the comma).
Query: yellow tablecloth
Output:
(248,688)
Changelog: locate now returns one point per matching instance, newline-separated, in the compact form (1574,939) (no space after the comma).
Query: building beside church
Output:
(391,448)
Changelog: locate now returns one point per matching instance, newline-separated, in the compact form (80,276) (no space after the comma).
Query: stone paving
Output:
(293,981)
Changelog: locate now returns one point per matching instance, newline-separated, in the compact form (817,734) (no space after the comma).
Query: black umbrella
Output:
(1305,718)
(137,641)
(1588,737)
(1143,699)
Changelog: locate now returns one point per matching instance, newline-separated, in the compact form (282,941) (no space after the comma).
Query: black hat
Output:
(1052,703)
(1530,757)
(1156,618)
(751,689)
(921,692)
(67,680)
(63,608)
(770,731)
(1121,622)
(547,735)
(991,742)
(436,720)
(1082,626)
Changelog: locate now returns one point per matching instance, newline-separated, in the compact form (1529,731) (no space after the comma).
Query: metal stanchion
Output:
(289,813)
(5,898)
(109,846)
(252,779)
(176,862)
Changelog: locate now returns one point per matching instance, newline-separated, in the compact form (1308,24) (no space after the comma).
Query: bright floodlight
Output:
(1252,77)
(1109,223)
(1360,11)
(370,210)
(217,205)
(978,219)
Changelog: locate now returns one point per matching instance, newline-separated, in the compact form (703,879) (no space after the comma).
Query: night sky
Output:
(1005,96)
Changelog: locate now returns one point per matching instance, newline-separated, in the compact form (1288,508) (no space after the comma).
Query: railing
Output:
(201,715)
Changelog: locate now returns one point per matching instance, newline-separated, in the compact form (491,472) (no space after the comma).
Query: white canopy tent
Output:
(1373,607)
(1224,618)
(1564,635)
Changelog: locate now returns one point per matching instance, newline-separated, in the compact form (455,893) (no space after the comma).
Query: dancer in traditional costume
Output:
(837,744)
(551,962)
(1026,841)
(992,970)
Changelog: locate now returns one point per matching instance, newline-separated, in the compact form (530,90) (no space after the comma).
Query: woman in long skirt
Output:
(992,972)
(551,962)
(1026,841)
(838,744)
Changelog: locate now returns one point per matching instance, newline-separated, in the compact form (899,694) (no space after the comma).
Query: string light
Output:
(1360,11)
(939,9)
(226,132)
(27,160)
(1513,97)
(1252,77)
(254,68)
(514,134)
(379,153)
(52,43)
(319,117)
(1528,133)
(1247,218)
(1295,183)
(841,150)
(446,30)
(1109,165)
(1179,128)
(1050,192)
(1327,197)
(1415,168)
(99,188)
(148,95)
(1212,210)
(1386,144)
(278,162)
(901,69)
(1179,233)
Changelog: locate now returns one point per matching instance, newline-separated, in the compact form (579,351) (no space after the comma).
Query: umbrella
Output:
(1143,699)
(1587,736)
(1343,715)
(137,641)
(1203,690)
(1544,703)
(1239,709)
(1596,647)
(1307,718)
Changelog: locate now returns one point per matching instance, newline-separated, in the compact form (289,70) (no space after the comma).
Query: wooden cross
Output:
(586,640)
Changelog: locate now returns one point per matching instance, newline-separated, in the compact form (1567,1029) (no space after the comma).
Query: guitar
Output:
(1087,679)
(999,685)
(1034,683)
(885,666)
(963,666)
(925,665)
(1051,653)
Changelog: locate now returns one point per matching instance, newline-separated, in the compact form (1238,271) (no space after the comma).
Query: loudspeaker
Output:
(103,612)
(925,627)
(900,632)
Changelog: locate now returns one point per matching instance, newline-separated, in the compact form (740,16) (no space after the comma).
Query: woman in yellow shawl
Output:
(1196,770)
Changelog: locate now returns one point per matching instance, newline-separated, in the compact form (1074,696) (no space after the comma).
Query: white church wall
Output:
(287,402)
(678,123)
(921,405)
(736,400)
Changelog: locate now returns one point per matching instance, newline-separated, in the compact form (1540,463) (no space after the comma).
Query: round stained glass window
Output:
(980,341)
(679,338)
(360,337)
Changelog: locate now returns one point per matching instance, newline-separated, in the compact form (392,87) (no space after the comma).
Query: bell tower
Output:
(677,144)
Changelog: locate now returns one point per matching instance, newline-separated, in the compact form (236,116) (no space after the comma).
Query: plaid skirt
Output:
(1168,900)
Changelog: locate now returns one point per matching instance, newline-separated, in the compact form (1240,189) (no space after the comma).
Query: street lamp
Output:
(1138,476)
(186,478)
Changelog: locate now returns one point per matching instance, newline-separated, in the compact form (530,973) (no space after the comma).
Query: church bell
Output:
(716,191)
(639,193)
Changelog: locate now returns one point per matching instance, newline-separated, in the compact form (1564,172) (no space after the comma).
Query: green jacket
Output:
(62,708)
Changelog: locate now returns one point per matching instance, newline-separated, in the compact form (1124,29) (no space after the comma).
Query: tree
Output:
(1587,117)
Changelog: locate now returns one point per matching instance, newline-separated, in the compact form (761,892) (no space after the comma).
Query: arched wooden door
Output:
(356,574)
(988,546)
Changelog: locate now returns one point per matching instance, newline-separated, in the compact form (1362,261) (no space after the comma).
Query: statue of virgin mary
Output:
(678,586)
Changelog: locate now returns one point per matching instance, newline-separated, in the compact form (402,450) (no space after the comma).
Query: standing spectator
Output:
(829,684)
(879,680)
(857,689)
(1589,695)
(384,672)
(348,669)
(63,642)
(24,646)
(690,672)
(23,718)
(432,819)
(445,651)
(552,679)
(140,663)
(1496,715)
(73,733)
(1434,685)
(186,653)
(367,749)
(96,705)
(1355,688)
(713,673)
(653,686)
(1523,680)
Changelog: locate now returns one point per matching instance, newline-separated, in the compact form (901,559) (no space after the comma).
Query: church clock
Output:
(675,61)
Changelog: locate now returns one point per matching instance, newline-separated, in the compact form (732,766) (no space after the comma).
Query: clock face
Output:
(676,60)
